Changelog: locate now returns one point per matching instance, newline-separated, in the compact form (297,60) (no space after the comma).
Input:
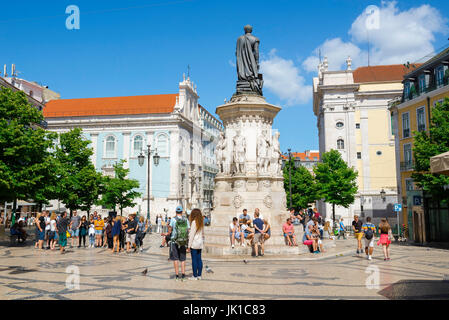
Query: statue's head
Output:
(248,28)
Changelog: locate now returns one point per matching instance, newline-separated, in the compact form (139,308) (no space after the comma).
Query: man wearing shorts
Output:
(368,230)
(357,227)
(177,253)
(75,227)
(61,228)
(130,230)
(235,233)
(258,235)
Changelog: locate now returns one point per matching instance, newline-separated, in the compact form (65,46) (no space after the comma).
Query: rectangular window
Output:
(408,153)
(422,83)
(439,76)
(406,90)
(359,155)
(421,118)
(405,125)
(357,125)
(409,185)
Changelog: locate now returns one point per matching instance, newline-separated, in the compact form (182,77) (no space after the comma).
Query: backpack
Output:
(369,233)
(181,233)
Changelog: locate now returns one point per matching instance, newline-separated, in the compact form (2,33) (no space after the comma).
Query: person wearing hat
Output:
(178,242)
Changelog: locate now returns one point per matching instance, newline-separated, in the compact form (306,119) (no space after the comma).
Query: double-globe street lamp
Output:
(141,160)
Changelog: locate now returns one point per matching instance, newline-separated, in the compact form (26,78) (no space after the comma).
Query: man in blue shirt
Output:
(177,252)
(341,230)
(258,234)
(245,216)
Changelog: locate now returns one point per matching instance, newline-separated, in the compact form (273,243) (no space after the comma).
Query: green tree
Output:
(119,191)
(429,144)
(336,182)
(303,185)
(78,183)
(25,158)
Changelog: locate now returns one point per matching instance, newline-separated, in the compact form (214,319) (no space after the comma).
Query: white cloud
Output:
(399,36)
(336,52)
(283,78)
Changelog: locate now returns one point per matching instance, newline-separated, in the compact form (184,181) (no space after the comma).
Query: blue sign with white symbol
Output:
(397,207)
(417,200)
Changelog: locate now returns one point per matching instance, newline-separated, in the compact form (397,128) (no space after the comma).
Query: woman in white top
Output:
(52,232)
(196,241)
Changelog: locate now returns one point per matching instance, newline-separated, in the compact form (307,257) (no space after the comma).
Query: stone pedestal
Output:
(250,170)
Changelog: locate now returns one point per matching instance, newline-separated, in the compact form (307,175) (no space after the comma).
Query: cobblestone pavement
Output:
(413,272)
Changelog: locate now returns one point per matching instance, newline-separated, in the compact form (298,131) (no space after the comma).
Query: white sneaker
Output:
(232,246)
(193,278)
(369,258)
(198,278)
(243,245)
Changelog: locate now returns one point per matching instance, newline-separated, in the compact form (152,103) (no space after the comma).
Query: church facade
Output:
(177,128)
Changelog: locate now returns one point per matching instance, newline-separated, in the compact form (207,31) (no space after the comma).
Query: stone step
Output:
(224,240)
(220,250)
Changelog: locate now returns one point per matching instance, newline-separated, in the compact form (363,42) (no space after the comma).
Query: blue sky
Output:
(144,47)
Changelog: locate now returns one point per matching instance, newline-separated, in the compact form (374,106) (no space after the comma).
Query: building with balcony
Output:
(211,128)
(174,125)
(352,113)
(424,86)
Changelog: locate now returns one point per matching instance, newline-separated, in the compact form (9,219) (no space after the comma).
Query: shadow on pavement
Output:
(417,290)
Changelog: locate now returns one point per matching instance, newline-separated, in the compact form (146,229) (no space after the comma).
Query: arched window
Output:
(162,145)
(110,147)
(137,145)
(340,144)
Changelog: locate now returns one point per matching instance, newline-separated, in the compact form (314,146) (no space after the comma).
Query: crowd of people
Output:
(116,233)
(246,231)
(186,234)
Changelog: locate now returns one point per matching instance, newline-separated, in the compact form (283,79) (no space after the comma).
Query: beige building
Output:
(352,113)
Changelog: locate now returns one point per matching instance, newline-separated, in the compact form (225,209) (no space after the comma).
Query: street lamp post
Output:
(290,175)
(141,160)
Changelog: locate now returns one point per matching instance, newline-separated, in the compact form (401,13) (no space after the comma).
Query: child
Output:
(91,235)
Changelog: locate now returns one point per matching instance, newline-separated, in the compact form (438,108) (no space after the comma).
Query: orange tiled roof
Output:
(161,103)
(303,156)
(393,72)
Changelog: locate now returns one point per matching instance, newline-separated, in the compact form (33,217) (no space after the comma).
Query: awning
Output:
(440,164)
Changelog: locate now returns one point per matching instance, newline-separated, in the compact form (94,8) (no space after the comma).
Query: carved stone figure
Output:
(275,155)
(223,155)
(262,152)
(239,153)
(247,54)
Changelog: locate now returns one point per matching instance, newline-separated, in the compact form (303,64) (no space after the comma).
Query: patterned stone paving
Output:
(27,273)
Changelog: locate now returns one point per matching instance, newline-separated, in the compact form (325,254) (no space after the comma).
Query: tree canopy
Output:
(304,189)
(119,191)
(336,181)
(429,144)
(25,157)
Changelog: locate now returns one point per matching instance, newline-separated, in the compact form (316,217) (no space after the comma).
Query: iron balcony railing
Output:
(418,91)
(407,165)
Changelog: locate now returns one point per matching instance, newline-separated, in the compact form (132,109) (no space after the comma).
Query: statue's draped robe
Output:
(247,65)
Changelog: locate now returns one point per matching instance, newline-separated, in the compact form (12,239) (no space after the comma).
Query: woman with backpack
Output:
(384,230)
(196,241)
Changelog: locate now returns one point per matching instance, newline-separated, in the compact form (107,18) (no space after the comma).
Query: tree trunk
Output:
(333,213)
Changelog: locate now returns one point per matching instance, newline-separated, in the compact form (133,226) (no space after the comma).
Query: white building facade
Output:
(352,113)
(122,128)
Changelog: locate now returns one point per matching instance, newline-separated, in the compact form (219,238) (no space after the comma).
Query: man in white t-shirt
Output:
(235,233)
